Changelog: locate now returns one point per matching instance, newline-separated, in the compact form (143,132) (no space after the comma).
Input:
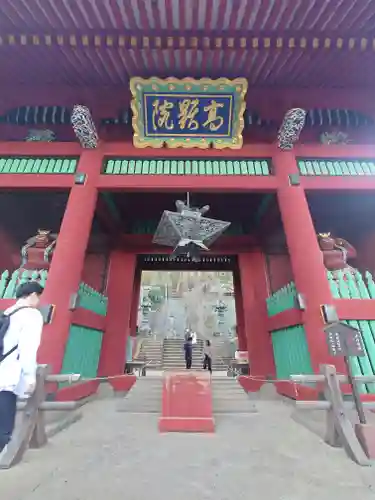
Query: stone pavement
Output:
(110,455)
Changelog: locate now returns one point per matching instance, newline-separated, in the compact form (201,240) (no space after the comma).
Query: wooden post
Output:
(32,431)
(340,430)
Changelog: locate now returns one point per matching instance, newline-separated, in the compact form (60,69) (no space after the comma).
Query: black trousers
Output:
(207,363)
(8,406)
(188,361)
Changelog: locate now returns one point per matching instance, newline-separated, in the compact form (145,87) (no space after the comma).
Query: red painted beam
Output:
(17,149)
(37,181)
(88,319)
(357,309)
(194,183)
(142,243)
(331,183)
(285,319)
(324,151)
(126,149)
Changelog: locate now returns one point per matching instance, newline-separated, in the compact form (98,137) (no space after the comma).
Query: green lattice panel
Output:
(82,351)
(33,165)
(291,352)
(335,167)
(260,167)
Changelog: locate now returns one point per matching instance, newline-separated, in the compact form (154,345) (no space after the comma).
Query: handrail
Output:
(32,432)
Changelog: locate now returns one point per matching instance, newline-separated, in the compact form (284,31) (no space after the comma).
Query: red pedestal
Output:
(187,403)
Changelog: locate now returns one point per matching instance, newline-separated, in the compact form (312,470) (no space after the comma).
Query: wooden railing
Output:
(31,433)
(357,438)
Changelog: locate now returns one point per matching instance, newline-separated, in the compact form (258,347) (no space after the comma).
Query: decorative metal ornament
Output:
(291,128)
(188,231)
(84,127)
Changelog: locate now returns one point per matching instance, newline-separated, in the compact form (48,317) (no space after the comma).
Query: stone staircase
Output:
(151,351)
(229,397)
(144,397)
(174,355)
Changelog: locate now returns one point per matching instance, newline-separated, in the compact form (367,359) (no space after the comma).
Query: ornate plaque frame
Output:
(188,88)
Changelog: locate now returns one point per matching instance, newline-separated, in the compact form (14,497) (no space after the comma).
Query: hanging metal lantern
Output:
(188,231)
(291,128)
(84,127)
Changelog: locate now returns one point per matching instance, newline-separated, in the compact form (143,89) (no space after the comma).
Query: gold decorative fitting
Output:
(327,43)
(60,40)
(279,43)
(133,41)
(315,43)
(182,41)
(267,43)
(170,42)
(351,43)
(218,43)
(146,42)
(363,43)
(85,40)
(255,43)
(23,39)
(158,42)
(109,41)
(292,43)
(73,40)
(121,41)
(230,42)
(11,39)
(206,42)
(97,41)
(339,43)
(243,42)
(303,43)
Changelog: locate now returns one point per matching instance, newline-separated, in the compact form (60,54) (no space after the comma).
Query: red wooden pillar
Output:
(240,316)
(67,264)
(306,258)
(252,270)
(119,291)
(135,302)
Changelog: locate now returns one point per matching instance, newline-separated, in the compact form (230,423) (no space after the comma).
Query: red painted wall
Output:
(10,252)
(279,271)
(94,271)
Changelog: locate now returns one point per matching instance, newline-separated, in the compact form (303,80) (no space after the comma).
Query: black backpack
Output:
(4,326)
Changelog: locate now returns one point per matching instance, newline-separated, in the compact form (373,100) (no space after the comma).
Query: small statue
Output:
(37,252)
(37,135)
(336,253)
(335,137)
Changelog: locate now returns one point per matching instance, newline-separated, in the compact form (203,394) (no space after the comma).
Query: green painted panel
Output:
(82,351)
(91,299)
(34,165)
(291,352)
(282,299)
(261,167)
(335,167)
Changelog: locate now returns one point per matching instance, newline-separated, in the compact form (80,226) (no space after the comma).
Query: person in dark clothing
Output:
(188,348)
(207,360)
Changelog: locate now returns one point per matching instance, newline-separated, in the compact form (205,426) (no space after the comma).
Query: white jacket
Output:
(18,370)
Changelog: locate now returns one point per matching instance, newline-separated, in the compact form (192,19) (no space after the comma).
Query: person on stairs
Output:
(20,334)
(207,359)
(188,348)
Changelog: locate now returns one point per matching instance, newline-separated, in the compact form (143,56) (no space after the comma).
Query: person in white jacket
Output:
(18,363)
